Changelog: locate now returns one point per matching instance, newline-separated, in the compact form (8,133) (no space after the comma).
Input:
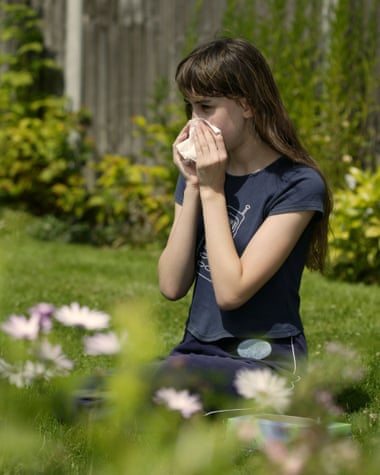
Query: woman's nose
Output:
(198,115)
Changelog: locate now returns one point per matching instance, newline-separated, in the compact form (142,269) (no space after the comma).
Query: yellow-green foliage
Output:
(41,168)
(355,239)
(45,154)
(41,143)
(36,154)
(133,196)
(324,62)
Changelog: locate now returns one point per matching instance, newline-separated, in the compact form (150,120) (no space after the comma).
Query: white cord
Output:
(298,378)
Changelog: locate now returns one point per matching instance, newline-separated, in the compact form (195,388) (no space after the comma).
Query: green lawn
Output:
(33,271)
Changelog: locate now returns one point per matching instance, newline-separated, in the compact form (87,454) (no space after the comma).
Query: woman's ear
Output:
(247,109)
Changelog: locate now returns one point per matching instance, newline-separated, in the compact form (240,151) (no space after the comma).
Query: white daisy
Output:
(5,368)
(43,308)
(266,388)
(17,379)
(54,354)
(25,375)
(45,313)
(102,344)
(34,370)
(76,316)
(184,402)
(20,327)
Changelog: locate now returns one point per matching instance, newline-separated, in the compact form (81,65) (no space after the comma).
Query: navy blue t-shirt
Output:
(273,312)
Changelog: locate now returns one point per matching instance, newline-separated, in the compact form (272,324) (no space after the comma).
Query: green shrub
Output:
(129,203)
(165,119)
(36,155)
(45,153)
(355,240)
(324,62)
(29,77)
(130,200)
(41,142)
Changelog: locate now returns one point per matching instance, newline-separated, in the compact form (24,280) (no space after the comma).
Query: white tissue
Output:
(187,147)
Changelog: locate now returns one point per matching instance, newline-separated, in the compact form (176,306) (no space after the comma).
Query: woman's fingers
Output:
(210,146)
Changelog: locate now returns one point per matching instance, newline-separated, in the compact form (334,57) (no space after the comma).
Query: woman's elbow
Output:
(172,291)
(171,294)
(226,303)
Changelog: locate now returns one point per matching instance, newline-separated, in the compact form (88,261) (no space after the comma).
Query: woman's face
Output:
(233,118)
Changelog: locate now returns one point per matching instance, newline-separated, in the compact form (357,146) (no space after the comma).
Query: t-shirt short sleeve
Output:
(303,190)
(179,190)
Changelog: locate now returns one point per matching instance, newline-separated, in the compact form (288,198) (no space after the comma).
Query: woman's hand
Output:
(186,167)
(211,158)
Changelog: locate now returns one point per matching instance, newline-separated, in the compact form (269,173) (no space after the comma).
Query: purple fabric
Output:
(210,368)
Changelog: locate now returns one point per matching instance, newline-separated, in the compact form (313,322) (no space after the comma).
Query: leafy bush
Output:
(45,153)
(129,203)
(355,240)
(30,79)
(36,155)
(41,142)
(131,199)
(324,62)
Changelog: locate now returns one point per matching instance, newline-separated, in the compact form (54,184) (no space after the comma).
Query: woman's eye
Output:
(196,108)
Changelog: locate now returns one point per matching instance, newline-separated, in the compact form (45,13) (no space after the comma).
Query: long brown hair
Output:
(236,69)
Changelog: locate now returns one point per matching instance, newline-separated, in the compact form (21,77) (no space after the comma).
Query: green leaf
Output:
(372,232)
(17,79)
(35,47)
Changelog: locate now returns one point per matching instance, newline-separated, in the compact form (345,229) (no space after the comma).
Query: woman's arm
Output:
(177,261)
(236,279)
(176,265)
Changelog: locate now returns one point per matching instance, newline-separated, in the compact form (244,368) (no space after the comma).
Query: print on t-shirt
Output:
(236,219)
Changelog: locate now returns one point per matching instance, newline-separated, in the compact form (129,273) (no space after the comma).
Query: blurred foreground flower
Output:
(54,354)
(76,316)
(21,375)
(44,311)
(287,461)
(48,360)
(27,373)
(184,402)
(102,344)
(266,388)
(20,327)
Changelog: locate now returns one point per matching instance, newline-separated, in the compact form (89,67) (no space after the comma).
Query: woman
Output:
(251,212)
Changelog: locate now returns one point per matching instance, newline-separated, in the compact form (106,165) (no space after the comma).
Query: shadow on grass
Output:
(353,399)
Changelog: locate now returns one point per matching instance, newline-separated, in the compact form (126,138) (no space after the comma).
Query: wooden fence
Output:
(113,57)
